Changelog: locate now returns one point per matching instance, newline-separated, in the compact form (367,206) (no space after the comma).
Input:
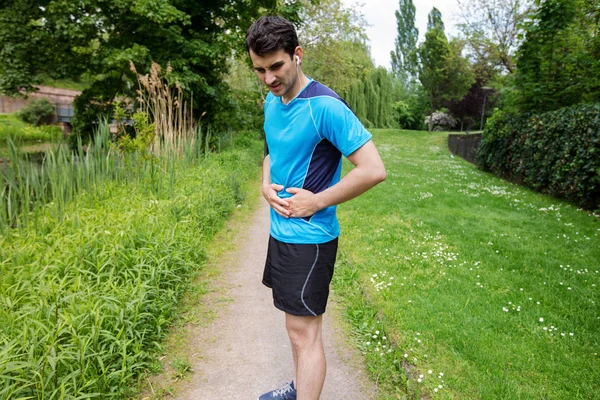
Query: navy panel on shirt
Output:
(315,89)
(322,167)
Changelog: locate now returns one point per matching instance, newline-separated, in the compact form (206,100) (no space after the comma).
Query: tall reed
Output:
(26,185)
(63,173)
(174,124)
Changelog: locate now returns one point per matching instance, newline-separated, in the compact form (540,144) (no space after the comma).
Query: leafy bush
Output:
(11,126)
(556,153)
(442,121)
(37,111)
(403,115)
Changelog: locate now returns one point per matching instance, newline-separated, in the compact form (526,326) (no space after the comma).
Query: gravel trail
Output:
(245,351)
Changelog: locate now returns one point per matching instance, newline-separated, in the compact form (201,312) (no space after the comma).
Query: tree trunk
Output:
(431,121)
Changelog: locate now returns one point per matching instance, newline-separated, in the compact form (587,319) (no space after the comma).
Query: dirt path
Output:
(245,351)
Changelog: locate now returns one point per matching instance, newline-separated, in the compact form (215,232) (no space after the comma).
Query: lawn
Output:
(459,285)
(12,127)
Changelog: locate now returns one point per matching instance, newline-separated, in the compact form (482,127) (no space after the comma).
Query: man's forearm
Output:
(355,183)
(368,171)
(266,171)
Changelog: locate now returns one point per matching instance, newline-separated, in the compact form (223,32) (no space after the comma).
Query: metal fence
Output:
(464,145)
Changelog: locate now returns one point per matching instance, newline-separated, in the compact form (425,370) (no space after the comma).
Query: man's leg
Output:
(309,356)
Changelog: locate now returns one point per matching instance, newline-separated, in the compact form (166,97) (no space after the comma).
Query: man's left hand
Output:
(303,203)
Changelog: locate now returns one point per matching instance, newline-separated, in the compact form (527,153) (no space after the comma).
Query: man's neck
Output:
(298,85)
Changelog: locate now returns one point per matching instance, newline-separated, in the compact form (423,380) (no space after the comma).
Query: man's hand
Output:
(303,203)
(281,206)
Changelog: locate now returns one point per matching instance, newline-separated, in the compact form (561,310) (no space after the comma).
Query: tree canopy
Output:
(492,29)
(434,20)
(404,56)
(559,60)
(66,39)
(334,40)
(444,73)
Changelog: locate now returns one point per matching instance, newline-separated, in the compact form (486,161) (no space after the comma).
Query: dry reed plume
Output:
(174,125)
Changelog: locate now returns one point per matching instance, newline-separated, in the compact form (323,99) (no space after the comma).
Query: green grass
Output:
(11,126)
(79,85)
(91,282)
(457,269)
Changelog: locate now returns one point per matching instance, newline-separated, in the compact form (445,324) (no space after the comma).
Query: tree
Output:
(470,108)
(64,39)
(492,29)
(434,20)
(355,97)
(404,56)
(559,60)
(444,73)
(371,99)
(410,111)
(334,40)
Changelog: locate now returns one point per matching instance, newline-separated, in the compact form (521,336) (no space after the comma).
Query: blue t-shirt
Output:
(306,139)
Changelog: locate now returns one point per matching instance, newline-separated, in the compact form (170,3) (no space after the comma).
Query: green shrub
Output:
(13,127)
(557,153)
(37,111)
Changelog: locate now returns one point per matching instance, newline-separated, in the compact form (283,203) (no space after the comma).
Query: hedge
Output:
(556,153)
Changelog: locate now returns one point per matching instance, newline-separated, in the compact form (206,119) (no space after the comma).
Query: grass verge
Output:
(200,305)
(88,295)
(13,127)
(459,285)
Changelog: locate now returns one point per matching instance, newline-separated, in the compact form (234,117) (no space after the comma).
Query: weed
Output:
(181,367)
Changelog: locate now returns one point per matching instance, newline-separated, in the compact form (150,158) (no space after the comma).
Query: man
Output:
(308,128)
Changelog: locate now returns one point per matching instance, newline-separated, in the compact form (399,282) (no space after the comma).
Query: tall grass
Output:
(163,113)
(174,125)
(87,295)
(96,248)
(12,127)
(61,176)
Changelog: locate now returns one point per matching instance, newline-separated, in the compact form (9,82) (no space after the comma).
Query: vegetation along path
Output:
(245,350)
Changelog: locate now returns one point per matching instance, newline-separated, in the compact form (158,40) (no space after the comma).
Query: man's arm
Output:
(368,171)
(269,190)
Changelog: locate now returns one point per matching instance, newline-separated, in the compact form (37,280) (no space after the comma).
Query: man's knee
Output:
(303,330)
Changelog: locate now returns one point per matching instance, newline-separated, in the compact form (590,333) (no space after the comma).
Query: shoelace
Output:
(286,389)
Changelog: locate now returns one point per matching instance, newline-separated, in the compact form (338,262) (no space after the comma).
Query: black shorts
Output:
(299,275)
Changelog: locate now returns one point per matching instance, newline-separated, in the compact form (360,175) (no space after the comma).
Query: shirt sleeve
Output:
(340,126)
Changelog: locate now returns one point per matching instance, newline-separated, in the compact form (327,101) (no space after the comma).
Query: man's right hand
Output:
(278,204)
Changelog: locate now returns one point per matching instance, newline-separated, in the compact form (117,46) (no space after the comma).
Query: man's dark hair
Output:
(270,34)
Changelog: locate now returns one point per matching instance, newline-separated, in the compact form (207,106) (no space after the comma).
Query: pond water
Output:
(35,150)
(31,147)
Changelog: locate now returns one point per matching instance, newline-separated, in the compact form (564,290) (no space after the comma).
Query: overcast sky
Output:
(382,32)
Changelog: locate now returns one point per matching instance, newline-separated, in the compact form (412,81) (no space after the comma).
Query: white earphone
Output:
(297,60)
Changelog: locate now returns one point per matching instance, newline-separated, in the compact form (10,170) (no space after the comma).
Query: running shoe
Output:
(287,392)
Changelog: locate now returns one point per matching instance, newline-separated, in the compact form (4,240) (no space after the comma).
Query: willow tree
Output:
(371,99)
(334,39)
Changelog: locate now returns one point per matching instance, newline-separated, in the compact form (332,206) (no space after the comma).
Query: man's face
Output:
(278,71)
